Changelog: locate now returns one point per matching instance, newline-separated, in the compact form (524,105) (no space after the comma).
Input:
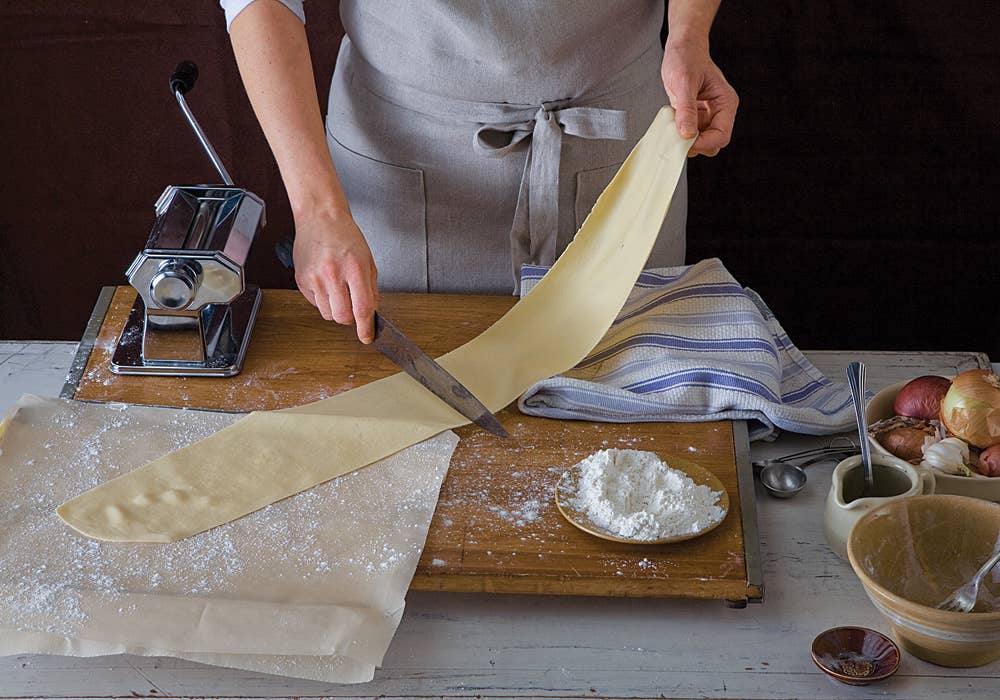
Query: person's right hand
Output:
(335,271)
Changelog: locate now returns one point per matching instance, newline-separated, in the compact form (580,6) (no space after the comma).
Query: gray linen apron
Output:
(472,137)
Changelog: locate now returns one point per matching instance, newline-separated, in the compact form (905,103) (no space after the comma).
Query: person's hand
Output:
(335,271)
(702,99)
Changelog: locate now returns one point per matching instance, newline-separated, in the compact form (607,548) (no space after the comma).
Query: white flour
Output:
(633,494)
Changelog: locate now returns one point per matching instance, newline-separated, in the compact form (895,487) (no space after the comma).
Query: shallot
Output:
(921,398)
(989,461)
(905,443)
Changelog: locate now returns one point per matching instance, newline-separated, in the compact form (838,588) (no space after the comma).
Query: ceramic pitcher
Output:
(843,506)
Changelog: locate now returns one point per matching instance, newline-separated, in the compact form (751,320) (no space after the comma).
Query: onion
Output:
(905,443)
(922,397)
(989,461)
(971,408)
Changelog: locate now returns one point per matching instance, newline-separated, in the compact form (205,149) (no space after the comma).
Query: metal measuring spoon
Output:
(782,479)
(856,378)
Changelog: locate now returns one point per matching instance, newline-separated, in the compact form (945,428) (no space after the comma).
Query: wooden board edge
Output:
(85,347)
(748,512)
(982,359)
(720,589)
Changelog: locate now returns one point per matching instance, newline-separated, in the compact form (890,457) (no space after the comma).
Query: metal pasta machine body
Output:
(194,311)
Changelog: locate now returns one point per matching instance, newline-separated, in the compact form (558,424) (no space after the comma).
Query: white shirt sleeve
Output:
(234,7)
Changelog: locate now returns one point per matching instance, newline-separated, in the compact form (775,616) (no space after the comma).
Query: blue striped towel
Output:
(692,344)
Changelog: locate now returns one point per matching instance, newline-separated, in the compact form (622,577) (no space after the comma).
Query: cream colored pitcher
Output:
(894,479)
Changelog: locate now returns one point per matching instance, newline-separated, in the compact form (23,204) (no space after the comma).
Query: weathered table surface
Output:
(490,645)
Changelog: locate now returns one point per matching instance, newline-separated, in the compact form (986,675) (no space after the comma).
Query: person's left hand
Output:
(702,99)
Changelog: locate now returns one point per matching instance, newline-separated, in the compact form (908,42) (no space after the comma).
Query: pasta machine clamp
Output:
(194,312)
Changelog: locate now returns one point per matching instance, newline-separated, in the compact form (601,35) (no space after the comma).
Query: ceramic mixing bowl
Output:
(880,407)
(911,554)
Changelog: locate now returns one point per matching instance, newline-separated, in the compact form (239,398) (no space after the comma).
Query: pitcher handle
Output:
(927,481)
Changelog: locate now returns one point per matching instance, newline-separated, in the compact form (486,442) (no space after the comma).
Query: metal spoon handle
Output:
(987,567)
(818,451)
(856,378)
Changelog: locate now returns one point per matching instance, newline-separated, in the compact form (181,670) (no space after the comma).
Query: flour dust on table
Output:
(635,495)
(280,591)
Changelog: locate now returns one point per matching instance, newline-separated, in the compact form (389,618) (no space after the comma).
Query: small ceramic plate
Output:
(566,489)
(855,655)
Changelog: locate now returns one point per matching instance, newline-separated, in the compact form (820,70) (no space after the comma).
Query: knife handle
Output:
(283,249)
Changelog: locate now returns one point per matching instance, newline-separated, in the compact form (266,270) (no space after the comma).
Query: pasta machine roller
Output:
(194,312)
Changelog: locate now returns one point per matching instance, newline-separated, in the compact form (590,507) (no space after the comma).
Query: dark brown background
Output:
(864,167)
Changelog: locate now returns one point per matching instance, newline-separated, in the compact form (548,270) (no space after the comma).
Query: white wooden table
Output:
(485,645)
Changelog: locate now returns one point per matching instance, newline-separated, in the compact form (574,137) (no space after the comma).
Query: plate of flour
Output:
(634,496)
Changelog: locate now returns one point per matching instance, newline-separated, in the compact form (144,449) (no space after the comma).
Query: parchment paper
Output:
(312,586)
(330,669)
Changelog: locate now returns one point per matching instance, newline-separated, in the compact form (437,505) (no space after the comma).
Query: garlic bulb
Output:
(950,456)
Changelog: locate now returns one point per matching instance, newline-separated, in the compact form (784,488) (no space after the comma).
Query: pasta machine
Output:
(194,311)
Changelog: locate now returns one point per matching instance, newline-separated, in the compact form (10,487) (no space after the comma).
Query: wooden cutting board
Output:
(496,527)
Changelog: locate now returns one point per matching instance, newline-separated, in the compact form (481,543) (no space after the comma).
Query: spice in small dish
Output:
(855,655)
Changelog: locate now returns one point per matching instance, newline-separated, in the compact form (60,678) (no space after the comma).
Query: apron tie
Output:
(534,231)
(502,126)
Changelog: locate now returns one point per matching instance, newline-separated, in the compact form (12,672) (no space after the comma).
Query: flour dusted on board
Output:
(634,495)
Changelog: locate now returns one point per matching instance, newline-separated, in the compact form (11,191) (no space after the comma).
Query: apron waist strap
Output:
(535,225)
(504,127)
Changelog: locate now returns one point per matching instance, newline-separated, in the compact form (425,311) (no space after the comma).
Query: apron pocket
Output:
(389,205)
(589,185)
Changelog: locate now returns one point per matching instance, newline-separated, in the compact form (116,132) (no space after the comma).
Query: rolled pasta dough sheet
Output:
(269,456)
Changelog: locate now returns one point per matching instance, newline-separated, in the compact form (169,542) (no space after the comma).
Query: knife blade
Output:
(405,354)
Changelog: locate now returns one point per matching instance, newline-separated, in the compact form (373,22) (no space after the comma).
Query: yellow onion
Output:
(971,408)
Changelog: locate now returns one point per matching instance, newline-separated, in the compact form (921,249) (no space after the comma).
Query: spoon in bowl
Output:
(856,378)
(964,599)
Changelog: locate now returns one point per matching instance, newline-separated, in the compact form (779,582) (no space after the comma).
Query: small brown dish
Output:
(855,655)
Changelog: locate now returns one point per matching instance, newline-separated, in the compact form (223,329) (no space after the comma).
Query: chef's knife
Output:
(391,342)
(406,355)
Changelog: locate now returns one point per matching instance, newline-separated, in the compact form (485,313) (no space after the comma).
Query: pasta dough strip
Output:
(271,455)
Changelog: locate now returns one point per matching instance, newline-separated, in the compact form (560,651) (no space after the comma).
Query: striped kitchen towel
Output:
(692,344)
